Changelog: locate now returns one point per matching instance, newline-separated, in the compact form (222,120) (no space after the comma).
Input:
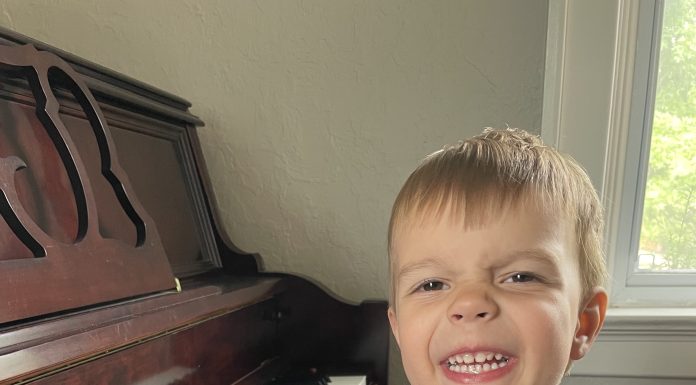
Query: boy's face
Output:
(499,304)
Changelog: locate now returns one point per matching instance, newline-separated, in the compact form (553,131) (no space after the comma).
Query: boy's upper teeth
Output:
(476,357)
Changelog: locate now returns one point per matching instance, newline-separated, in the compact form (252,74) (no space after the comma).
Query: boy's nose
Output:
(471,305)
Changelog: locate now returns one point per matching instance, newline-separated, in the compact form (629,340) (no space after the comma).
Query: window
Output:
(601,73)
(620,96)
(667,234)
(656,239)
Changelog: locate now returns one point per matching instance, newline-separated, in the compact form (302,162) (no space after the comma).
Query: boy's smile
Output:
(498,303)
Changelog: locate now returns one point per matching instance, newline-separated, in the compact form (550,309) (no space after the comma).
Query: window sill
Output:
(635,341)
(650,322)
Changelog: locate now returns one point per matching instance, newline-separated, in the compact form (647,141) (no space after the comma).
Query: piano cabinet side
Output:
(318,330)
(233,259)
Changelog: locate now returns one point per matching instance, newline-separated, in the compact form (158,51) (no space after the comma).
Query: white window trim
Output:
(587,113)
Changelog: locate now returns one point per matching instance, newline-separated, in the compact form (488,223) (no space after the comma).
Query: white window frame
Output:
(595,93)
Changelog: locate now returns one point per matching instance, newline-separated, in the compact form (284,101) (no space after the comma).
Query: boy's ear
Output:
(393,323)
(590,321)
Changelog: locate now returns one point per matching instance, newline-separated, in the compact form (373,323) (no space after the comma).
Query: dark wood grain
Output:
(241,341)
(66,341)
(158,157)
(80,267)
(245,332)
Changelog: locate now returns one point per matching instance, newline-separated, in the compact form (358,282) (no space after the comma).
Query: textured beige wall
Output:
(316,110)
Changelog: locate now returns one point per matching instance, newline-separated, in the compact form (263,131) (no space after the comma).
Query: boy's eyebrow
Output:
(539,255)
(410,268)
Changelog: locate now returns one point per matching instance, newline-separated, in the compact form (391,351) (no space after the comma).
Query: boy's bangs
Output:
(478,181)
(471,200)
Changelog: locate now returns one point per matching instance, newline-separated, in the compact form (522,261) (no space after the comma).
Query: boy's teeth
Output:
(476,362)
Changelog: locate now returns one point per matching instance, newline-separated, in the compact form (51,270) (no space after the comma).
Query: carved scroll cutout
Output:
(92,269)
(39,68)
(13,212)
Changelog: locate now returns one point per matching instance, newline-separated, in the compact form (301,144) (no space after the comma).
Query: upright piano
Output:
(114,268)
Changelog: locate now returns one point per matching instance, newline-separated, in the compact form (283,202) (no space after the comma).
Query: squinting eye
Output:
(521,278)
(432,286)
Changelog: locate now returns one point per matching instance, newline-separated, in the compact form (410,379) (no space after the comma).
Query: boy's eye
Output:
(521,278)
(432,286)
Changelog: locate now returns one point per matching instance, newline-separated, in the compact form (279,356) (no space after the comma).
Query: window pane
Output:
(668,232)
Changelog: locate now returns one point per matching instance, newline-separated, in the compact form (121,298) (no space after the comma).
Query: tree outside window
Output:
(668,231)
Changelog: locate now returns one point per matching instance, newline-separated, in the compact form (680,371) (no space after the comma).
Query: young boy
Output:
(496,264)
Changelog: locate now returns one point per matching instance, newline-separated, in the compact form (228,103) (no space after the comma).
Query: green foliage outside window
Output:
(668,233)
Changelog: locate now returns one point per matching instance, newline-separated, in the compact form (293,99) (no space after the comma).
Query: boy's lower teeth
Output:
(478,368)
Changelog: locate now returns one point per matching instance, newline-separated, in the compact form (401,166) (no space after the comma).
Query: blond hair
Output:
(496,170)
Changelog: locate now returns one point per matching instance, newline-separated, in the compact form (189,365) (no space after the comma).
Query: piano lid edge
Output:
(91,69)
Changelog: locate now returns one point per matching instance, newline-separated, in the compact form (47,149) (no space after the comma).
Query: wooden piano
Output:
(113,266)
